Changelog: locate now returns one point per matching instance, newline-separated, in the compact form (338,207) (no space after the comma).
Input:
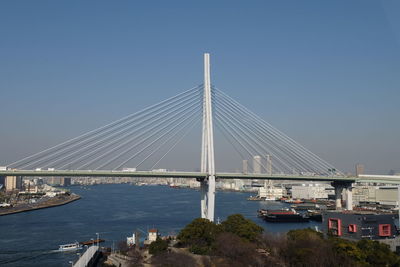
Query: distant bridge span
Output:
(340,183)
(200,176)
(197,175)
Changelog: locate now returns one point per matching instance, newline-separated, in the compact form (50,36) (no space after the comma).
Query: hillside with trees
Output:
(238,241)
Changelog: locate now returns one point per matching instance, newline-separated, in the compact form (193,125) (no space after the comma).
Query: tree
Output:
(173,259)
(135,257)
(304,234)
(158,246)
(238,251)
(346,249)
(378,254)
(122,247)
(199,235)
(242,227)
(307,247)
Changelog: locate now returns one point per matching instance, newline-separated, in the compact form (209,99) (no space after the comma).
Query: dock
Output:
(88,258)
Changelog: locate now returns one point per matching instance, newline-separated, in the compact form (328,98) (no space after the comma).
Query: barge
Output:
(284,215)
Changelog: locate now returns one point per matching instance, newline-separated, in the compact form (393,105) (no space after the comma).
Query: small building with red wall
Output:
(357,225)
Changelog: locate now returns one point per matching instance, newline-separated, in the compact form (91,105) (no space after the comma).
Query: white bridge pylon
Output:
(207,186)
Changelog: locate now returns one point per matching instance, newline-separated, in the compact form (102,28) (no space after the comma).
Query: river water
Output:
(114,211)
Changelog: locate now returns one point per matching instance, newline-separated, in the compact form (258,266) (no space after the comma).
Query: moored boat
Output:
(70,247)
(284,216)
(91,242)
(315,215)
(307,206)
(294,201)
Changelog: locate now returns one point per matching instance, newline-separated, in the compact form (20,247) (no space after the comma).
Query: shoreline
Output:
(73,197)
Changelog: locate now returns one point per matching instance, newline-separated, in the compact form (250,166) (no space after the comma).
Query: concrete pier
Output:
(88,258)
(339,186)
(349,198)
(338,196)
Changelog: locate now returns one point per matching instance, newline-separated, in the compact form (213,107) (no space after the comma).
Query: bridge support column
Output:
(211,198)
(338,197)
(349,198)
(338,194)
(203,198)
(339,186)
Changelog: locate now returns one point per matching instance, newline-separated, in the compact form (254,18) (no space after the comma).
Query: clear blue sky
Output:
(327,73)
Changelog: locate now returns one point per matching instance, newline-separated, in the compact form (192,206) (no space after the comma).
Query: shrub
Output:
(158,246)
(242,227)
(172,259)
(199,236)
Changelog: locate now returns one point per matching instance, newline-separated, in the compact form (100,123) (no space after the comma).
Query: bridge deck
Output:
(150,174)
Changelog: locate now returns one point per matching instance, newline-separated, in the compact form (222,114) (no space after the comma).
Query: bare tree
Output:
(173,259)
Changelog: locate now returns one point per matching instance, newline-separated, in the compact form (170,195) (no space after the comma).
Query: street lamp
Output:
(97,240)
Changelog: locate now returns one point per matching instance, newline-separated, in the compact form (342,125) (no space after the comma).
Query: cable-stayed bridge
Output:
(141,141)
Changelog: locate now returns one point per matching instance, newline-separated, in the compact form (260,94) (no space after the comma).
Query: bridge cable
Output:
(110,125)
(149,121)
(308,153)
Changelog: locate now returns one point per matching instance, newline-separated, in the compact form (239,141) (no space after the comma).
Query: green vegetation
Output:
(242,227)
(240,242)
(199,236)
(366,252)
(307,247)
(158,246)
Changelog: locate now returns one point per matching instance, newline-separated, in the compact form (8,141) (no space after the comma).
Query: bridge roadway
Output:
(199,175)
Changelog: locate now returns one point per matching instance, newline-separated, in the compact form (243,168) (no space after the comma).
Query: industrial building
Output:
(257,164)
(357,225)
(245,166)
(385,195)
(270,192)
(359,169)
(310,191)
(13,183)
(65,181)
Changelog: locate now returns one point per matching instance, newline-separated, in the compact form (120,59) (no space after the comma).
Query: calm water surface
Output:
(114,211)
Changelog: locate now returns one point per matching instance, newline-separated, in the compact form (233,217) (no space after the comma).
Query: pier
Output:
(88,258)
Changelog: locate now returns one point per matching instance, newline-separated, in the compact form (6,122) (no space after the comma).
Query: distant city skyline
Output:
(326,74)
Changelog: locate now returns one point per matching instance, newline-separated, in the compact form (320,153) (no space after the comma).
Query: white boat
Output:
(70,247)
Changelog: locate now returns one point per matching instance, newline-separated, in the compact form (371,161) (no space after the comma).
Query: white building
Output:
(239,184)
(153,234)
(364,193)
(309,191)
(387,195)
(269,191)
(193,183)
(130,240)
